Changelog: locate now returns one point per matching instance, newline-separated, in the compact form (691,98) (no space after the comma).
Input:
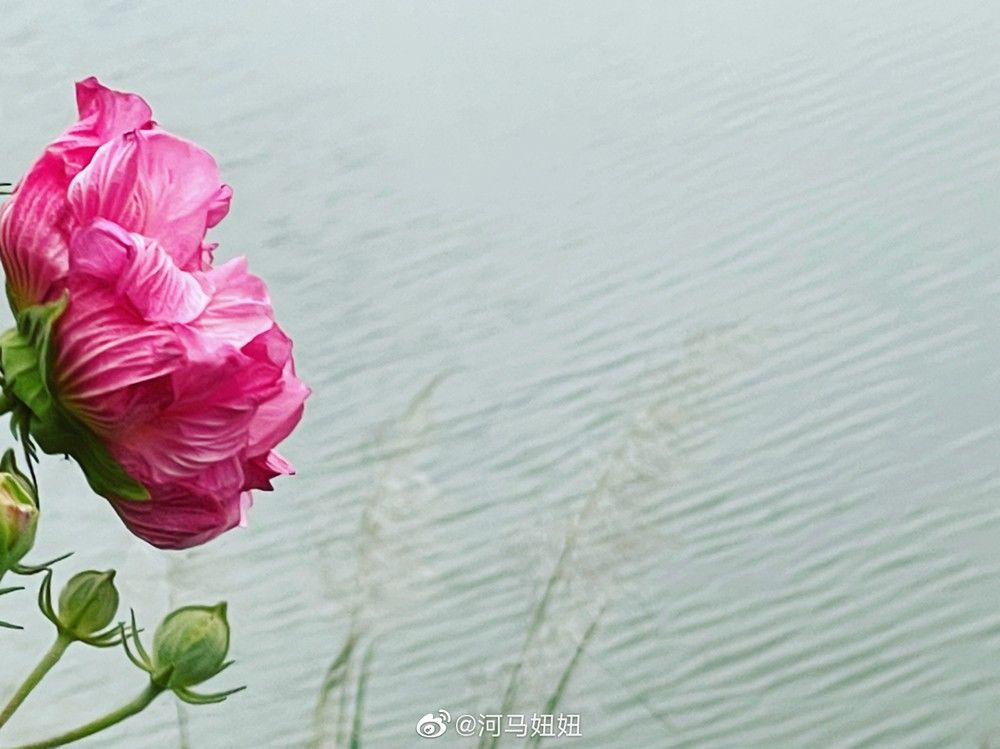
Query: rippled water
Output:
(709,289)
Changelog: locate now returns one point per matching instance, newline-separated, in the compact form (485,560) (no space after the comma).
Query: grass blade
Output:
(357,722)
(334,679)
(552,704)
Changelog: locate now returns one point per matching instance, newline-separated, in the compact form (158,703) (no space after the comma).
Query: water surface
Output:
(714,284)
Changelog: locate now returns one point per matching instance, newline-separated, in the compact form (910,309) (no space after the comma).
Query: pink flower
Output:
(177,368)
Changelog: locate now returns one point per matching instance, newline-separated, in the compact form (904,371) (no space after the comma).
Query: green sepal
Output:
(8,465)
(34,569)
(4,591)
(26,354)
(193,698)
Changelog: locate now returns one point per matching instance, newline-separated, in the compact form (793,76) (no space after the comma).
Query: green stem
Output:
(142,700)
(44,666)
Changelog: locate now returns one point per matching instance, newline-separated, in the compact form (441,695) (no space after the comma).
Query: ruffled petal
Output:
(239,308)
(106,187)
(33,234)
(218,206)
(176,518)
(104,114)
(208,254)
(259,470)
(155,184)
(200,438)
(111,364)
(36,223)
(139,270)
(277,416)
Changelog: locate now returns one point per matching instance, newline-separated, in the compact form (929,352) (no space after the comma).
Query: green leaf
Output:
(26,354)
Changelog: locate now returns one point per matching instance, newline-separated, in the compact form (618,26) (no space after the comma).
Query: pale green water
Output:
(726,274)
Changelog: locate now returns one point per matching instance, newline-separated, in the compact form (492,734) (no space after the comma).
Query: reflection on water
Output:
(393,526)
(707,290)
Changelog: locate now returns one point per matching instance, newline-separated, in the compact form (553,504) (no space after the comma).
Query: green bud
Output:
(18,519)
(88,603)
(190,646)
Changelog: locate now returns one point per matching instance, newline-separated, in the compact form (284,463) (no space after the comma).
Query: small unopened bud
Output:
(18,519)
(190,646)
(88,603)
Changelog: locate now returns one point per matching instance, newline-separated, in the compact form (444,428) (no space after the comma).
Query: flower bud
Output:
(88,603)
(18,519)
(190,645)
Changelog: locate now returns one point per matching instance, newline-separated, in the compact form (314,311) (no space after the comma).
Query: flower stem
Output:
(141,701)
(44,666)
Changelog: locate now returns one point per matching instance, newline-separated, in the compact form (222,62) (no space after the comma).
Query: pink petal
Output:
(139,270)
(33,234)
(176,518)
(110,362)
(155,184)
(239,309)
(37,221)
(260,470)
(158,289)
(246,502)
(218,206)
(200,438)
(208,254)
(105,188)
(277,416)
(104,114)
(101,250)
(108,112)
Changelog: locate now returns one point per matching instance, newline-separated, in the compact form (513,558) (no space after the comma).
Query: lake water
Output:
(705,294)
